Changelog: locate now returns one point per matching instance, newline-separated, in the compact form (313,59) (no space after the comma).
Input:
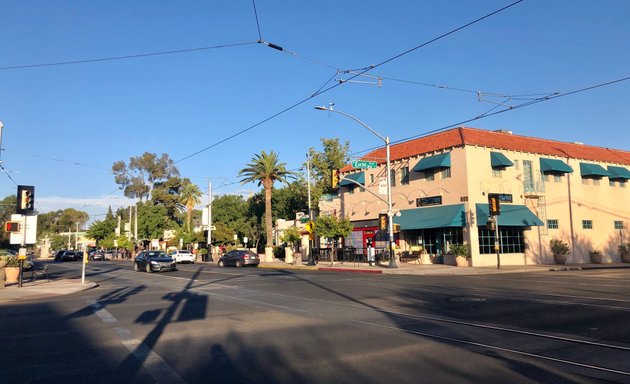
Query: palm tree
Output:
(265,169)
(190,196)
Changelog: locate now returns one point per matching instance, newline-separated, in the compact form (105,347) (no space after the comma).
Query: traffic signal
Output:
(12,226)
(491,225)
(382,221)
(493,203)
(334,178)
(396,228)
(25,199)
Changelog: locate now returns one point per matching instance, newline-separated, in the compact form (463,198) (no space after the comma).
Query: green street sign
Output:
(363,164)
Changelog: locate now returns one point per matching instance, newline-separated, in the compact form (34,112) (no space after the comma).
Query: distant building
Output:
(547,189)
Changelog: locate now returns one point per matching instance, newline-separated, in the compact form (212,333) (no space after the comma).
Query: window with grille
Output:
(446,173)
(587,224)
(618,224)
(404,173)
(552,223)
(511,240)
(392,177)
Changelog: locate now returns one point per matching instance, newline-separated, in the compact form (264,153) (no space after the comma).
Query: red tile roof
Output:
(458,137)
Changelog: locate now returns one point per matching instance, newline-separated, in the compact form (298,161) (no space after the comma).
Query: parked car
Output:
(239,258)
(183,256)
(99,254)
(154,261)
(64,255)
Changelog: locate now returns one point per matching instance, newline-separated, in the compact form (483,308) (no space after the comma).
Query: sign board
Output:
(205,216)
(363,164)
(30,237)
(382,185)
(427,201)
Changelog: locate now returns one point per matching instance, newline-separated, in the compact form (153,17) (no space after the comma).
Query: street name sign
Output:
(363,164)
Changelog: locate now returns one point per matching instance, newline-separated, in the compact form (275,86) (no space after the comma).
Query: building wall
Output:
(568,200)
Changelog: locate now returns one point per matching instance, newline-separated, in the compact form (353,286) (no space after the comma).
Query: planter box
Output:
(559,258)
(625,257)
(12,274)
(461,261)
(596,258)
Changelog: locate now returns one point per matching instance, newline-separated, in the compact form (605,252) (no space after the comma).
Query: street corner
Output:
(12,293)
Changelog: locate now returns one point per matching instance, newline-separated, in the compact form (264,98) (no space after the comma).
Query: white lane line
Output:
(151,361)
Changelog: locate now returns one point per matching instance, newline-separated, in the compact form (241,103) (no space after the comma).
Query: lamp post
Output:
(390,214)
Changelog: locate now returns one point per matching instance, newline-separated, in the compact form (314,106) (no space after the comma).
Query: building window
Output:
(351,188)
(618,224)
(557,178)
(446,173)
(404,175)
(622,183)
(392,177)
(511,240)
(497,172)
(585,181)
(596,181)
(516,165)
(371,179)
(429,175)
(552,223)
(611,183)
(587,224)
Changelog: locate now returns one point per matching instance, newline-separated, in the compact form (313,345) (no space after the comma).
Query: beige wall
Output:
(472,179)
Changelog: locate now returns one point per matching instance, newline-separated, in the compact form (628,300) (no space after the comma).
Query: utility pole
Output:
(135,225)
(210,219)
(76,238)
(311,260)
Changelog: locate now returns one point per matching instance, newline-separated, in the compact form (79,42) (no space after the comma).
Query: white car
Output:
(183,256)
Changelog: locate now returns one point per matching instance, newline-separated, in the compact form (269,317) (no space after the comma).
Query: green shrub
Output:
(460,250)
(558,247)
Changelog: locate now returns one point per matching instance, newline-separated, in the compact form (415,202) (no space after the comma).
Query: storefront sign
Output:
(427,201)
(504,197)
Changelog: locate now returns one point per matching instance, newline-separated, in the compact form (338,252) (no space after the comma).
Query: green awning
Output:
(554,165)
(511,215)
(359,177)
(443,160)
(498,160)
(432,217)
(618,173)
(589,169)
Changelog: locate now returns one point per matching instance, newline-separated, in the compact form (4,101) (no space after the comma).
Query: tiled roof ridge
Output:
(463,135)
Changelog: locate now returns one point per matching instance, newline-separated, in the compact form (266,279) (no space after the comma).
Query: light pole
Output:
(390,214)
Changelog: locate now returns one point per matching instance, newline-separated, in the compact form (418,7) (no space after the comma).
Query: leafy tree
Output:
(138,179)
(102,229)
(332,227)
(152,221)
(291,235)
(266,169)
(228,209)
(167,194)
(222,234)
(60,221)
(190,196)
(290,199)
(333,156)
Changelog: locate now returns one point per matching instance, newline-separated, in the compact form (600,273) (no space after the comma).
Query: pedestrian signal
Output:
(12,226)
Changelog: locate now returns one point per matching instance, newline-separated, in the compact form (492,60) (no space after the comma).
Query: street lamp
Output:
(390,214)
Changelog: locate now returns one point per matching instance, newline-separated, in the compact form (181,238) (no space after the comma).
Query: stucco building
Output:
(440,185)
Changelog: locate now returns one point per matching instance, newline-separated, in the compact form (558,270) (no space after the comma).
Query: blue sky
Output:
(65,125)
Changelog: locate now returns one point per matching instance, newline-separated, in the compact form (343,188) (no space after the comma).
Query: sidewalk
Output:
(11,293)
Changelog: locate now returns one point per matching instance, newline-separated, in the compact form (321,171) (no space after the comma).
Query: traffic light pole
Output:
(497,244)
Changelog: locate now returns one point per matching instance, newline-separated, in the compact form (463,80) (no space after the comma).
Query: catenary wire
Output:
(479,117)
(287,109)
(125,57)
(257,22)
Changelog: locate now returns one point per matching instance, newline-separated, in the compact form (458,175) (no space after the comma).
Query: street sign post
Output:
(363,164)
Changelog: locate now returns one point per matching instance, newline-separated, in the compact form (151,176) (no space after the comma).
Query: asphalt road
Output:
(204,324)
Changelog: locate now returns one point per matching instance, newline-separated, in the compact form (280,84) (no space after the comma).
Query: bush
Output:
(278,252)
(12,261)
(558,247)
(460,250)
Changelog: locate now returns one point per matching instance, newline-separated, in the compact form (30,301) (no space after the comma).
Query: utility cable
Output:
(287,109)
(7,173)
(511,108)
(177,51)
(257,23)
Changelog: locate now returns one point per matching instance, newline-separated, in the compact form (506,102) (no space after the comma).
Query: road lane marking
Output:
(151,361)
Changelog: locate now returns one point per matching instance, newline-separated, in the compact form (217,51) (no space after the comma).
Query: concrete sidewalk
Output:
(11,293)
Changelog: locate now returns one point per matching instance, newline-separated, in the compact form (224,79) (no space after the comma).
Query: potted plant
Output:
(624,252)
(461,253)
(596,256)
(560,249)
(12,269)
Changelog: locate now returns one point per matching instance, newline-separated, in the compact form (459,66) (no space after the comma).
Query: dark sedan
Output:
(154,261)
(239,258)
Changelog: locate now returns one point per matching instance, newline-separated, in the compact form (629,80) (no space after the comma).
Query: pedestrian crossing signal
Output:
(12,226)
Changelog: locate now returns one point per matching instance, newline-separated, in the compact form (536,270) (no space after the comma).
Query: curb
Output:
(333,269)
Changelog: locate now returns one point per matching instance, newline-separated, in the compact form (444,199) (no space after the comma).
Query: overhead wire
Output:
(367,69)
(125,57)
(511,108)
